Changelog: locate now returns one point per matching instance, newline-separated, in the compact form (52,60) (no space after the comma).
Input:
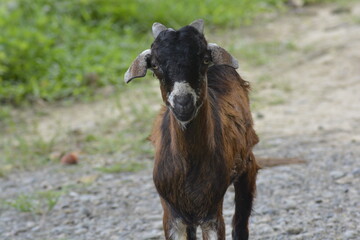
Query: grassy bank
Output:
(52,50)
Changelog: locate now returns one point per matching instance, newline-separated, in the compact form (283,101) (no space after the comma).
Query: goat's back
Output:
(222,80)
(229,93)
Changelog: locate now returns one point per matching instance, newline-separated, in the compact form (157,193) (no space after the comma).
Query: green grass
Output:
(123,167)
(130,135)
(261,53)
(25,152)
(67,49)
(53,50)
(50,50)
(131,138)
(328,1)
(23,146)
(38,203)
(281,90)
(356,19)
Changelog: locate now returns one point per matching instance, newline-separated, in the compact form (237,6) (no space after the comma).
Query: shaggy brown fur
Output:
(194,167)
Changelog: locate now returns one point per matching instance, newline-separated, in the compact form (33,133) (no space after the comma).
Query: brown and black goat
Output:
(204,135)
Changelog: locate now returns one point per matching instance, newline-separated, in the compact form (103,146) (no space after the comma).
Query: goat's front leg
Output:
(215,228)
(175,228)
(245,186)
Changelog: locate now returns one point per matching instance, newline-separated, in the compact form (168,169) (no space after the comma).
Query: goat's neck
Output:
(197,136)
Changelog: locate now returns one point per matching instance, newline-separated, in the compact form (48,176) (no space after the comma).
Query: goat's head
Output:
(180,60)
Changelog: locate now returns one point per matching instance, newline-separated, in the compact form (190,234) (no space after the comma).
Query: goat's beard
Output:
(184,123)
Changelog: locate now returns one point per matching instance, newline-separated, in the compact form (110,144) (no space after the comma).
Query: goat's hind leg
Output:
(245,186)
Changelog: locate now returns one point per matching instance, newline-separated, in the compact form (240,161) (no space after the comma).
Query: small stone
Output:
(228,212)
(290,205)
(336,174)
(30,224)
(86,212)
(327,194)
(87,197)
(69,159)
(158,225)
(114,206)
(350,234)
(339,210)
(260,115)
(356,172)
(264,228)
(270,211)
(294,231)
(344,180)
(74,194)
(80,231)
(68,211)
(35,229)
(151,235)
(264,219)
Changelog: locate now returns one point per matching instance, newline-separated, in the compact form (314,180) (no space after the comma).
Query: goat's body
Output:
(203,137)
(195,166)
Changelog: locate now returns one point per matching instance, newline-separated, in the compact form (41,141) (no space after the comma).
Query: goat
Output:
(203,136)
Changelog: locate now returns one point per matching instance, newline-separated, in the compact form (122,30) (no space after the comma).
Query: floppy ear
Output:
(221,57)
(139,67)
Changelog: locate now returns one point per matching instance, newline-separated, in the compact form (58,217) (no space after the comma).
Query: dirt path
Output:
(324,79)
(317,119)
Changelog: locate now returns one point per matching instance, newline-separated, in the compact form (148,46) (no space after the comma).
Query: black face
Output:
(179,59)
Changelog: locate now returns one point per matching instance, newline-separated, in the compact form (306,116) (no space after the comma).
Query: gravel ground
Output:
(319,123)
(317,200)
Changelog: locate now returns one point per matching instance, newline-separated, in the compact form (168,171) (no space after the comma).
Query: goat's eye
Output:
(206,61)
(154,66)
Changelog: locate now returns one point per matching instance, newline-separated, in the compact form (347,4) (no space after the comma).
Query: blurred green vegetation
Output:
(56,49)
(52,50)
(37,203)
(25,145)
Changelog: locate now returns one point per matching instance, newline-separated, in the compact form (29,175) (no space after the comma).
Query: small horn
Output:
(157,28)
(199,25)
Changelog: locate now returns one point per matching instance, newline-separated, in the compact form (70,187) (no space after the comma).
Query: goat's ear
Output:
(198,25)
(221,57)
(139,67)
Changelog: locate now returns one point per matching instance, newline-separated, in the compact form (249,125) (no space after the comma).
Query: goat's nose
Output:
(183,107)
(183,100)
